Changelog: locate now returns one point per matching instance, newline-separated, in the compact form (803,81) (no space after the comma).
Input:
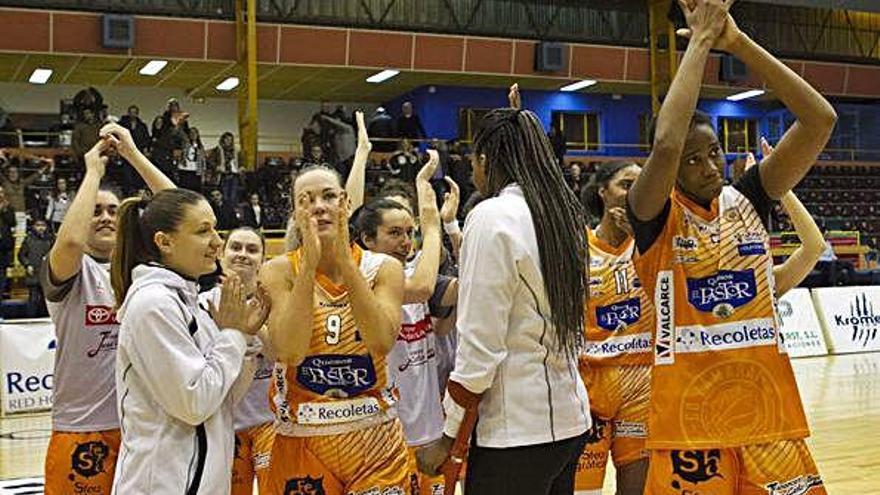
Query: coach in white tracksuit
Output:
(178,375)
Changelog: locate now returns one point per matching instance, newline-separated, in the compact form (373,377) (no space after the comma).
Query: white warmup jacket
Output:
(177,378)
(507,347)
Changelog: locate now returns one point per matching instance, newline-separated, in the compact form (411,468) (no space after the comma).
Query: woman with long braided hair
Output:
(521,293)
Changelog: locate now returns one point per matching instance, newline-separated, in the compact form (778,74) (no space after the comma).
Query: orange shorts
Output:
(372,460)
(427,485)
(253,448)
(779,468)
(81,462)
(619,403)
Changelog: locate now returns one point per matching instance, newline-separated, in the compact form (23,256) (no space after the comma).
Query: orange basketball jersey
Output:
(339,386)
(620,317)
(723,377)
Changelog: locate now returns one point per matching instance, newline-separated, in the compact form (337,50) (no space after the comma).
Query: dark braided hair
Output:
(603,176)
(517,151)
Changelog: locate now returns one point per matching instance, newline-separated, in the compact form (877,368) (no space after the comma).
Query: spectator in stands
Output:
(59,202)
(7,237)
(33,250)
(404,164)
(223,211)
(322,131)
(409,126)
(252,214)
(343,143)
(225,163)
(557,140)
(138,129)
(85,134)
(170,138)
(382,126)
(315,156)
(575,178)
(15,186)
(191,169)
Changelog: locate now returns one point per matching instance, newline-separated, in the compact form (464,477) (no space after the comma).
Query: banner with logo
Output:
(851,318)
(27,361)
(801,330)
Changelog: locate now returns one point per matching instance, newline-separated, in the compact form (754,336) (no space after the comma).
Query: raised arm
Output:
(796,268)
(44,164)
(357,178)
(121,138)
(65,257)
(651,190)
(448,214)
(376,309)
(420,286)
(798,149)
(292,295)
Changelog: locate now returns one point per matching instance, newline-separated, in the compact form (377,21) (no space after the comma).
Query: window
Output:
(739,135)
(581,130)
(468,120)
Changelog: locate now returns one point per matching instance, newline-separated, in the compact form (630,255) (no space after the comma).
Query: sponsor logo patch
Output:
(751,249)
(726,336)
(337,375)
(305,486)
(620,315)
(328,413)
(616,346)
(695,466)
(723,292)
(629,429)
(665,303)
(88,458)
(682,243)
(796,486)
(97,314)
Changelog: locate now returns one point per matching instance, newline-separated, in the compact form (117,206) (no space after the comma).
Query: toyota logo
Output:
(99,315)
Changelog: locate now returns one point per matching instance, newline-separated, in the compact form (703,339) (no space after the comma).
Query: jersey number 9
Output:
(334,329)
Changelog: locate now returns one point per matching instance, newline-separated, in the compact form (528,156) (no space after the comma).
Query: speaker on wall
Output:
(550,57)
(732,70)
(117,31)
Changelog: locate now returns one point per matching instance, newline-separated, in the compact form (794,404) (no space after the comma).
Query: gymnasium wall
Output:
(281,122)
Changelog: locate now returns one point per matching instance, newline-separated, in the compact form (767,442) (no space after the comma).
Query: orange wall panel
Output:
(438,53)
(221,41)
(863,81)
(825,77)
(493,56)
(169,38)
(380,49)
(597,62)
(302,45)
(638,65)
(267,43)
(22,30)
(79,33)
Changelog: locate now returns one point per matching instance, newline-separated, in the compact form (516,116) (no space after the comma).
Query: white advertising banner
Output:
(801,330)
(27,361)
(851,318)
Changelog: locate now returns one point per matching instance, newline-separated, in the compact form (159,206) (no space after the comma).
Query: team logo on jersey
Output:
(723,292)
(88,458)
(750,244)
(618,316)
(596,432)
(796,486)
(305,486)
(100,315)
(695,466)
(337,375)
(732,215)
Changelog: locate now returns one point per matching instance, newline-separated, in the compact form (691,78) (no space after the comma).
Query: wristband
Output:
(452,228)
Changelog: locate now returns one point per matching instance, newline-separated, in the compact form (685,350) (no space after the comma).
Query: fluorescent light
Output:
(746,94)
(228,84)
(153,67)
(382,76)
(40,76)
(586,83)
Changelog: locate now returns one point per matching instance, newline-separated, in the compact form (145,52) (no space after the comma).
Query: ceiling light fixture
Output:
(40,76)
(153,67)
(746,95)
(228,84)
(586,83)
(382,76)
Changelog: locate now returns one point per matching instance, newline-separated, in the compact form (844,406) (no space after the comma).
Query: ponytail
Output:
(131,248)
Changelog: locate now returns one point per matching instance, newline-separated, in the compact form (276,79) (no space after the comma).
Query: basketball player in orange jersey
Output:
(336,313)
(725,414)
(82,452)
(616,363)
